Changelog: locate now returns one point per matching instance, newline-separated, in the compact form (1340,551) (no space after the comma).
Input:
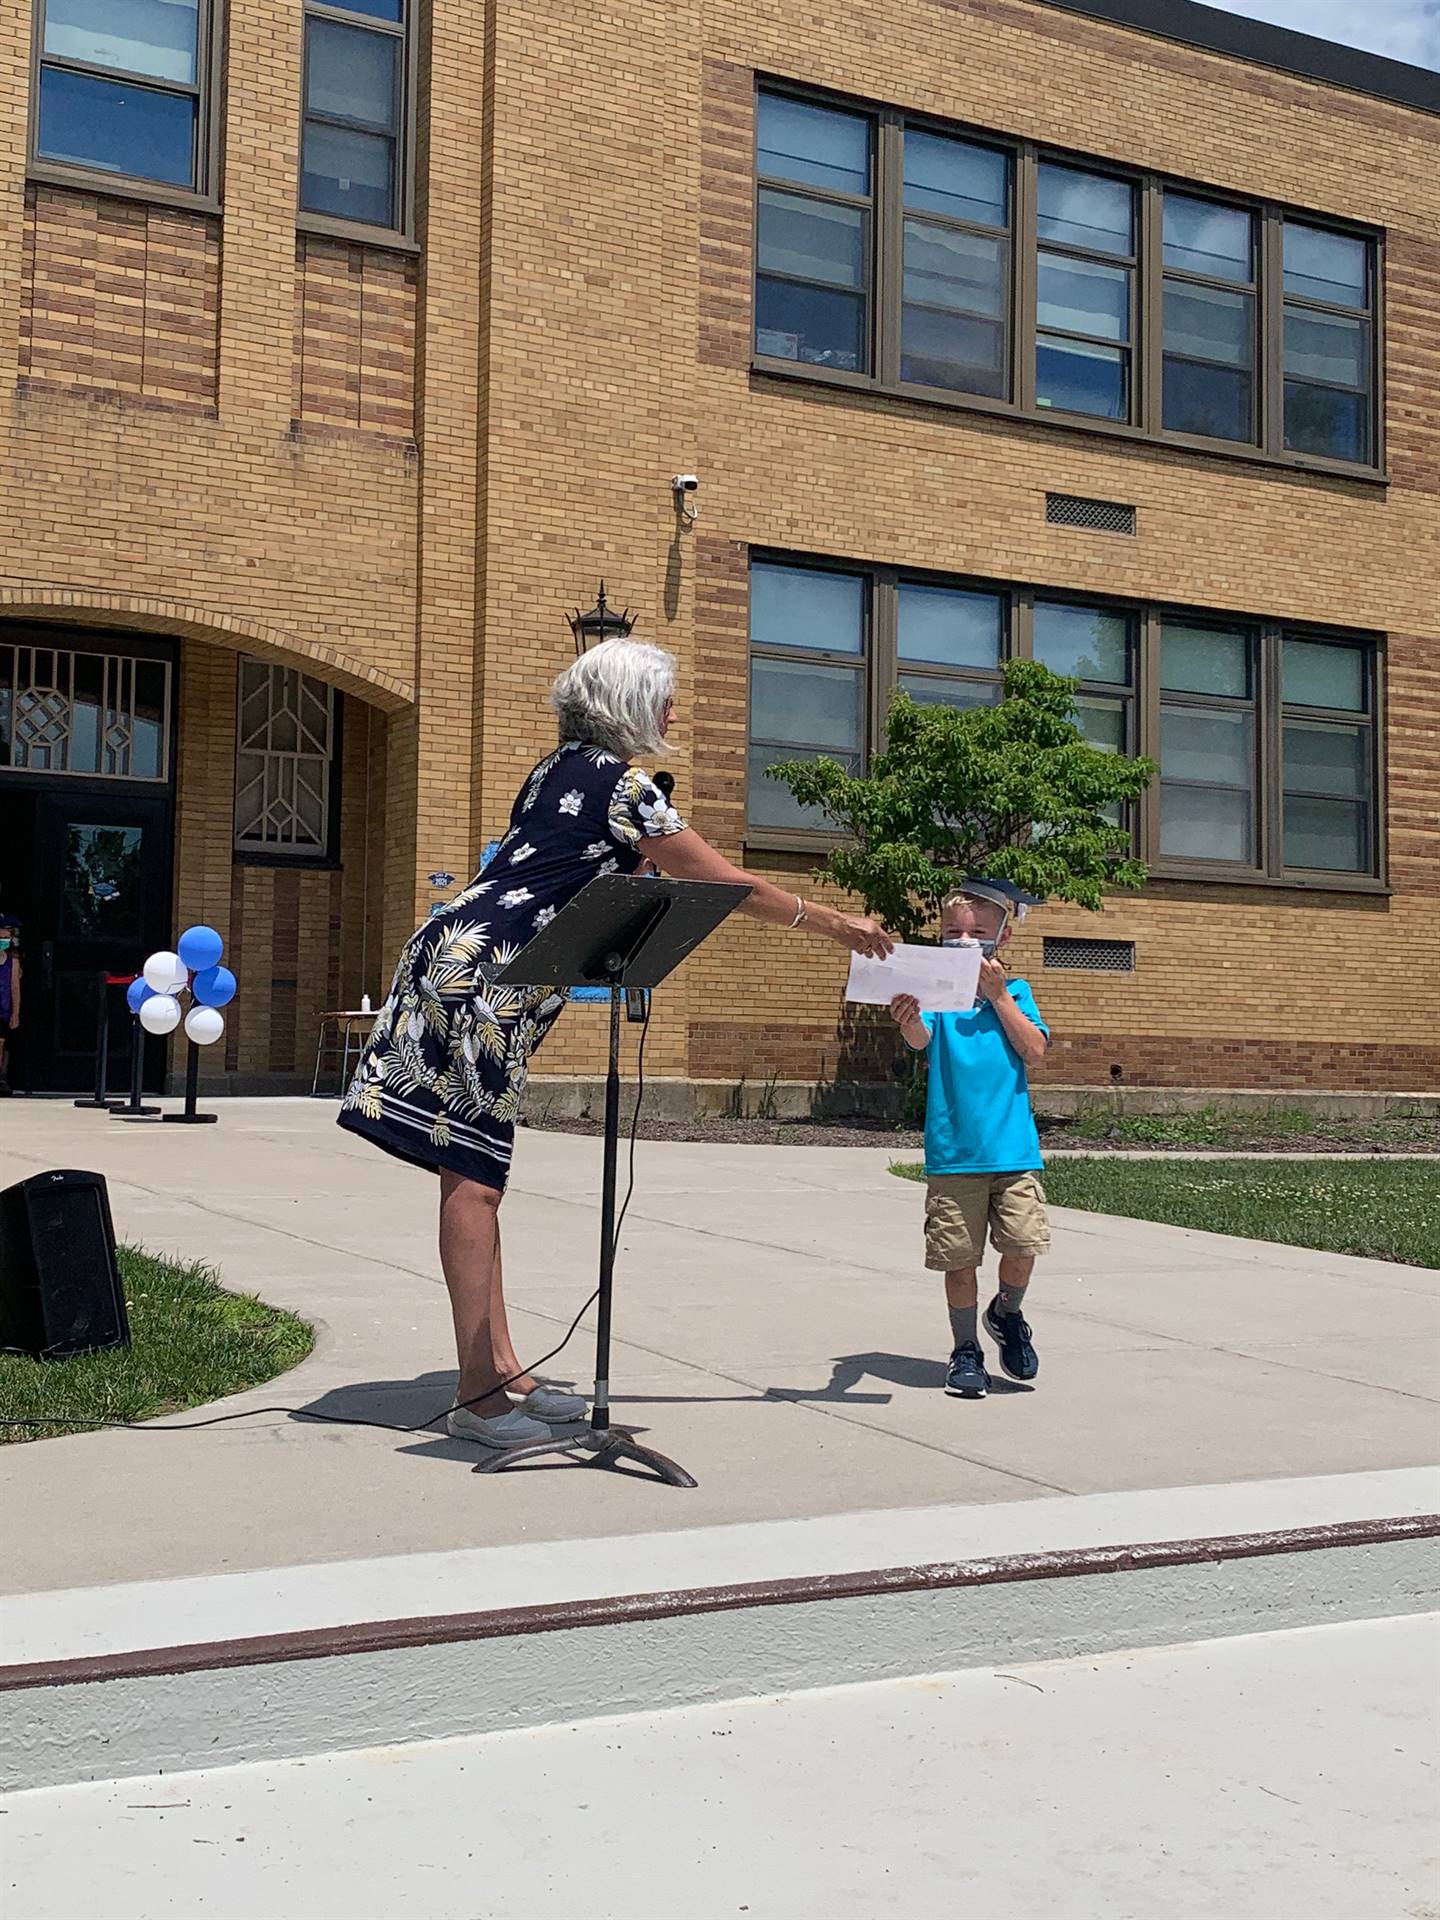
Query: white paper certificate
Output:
(942,979)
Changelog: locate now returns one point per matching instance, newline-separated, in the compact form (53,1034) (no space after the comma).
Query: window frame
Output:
(400,237)
(1140,701)
(312,859)
(1146,266)
(205,195)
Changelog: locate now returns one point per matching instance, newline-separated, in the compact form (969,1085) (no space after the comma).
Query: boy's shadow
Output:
(901,1369)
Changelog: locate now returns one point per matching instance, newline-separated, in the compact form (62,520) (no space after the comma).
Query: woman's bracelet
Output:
(799,911)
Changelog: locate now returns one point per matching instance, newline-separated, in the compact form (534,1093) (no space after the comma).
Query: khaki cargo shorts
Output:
(959,1207)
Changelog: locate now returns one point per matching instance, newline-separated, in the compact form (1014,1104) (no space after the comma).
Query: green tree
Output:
(1013,790)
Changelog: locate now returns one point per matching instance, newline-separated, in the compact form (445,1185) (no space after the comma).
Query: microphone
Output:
(666,783)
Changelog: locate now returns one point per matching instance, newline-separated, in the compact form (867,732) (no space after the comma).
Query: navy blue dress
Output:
(439,1082)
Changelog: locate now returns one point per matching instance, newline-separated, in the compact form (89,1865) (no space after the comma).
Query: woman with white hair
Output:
(440,1081)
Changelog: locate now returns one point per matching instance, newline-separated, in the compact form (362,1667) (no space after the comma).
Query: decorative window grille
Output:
(1091,956)
(284,762)
(88,715)
(1097,516)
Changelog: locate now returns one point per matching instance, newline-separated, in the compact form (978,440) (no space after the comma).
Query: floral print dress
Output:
(440,1080)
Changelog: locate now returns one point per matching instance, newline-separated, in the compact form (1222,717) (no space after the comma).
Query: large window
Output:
(1266,737)
(1084,292)
(914,258)
(1328,350)
(355,151)
(286,763)
(64,710)
(808,633)
(814,224)
(125,91)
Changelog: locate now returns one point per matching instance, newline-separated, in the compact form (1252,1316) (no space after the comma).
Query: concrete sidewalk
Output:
(1279,1777)
(776,1333)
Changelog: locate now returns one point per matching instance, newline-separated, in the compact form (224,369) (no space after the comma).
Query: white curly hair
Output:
(615,696)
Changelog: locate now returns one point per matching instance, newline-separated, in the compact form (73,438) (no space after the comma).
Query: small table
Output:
(344,1031)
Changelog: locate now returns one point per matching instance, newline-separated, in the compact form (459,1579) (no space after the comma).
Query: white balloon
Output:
(160,1014)
(204,1025)
(163,973)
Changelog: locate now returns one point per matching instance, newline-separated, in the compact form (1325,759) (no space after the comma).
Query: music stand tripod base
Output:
(610,1446)
(623,932)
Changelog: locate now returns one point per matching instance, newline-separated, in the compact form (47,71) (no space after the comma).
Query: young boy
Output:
(982,1151)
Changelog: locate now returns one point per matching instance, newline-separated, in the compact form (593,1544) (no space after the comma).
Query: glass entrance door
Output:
(87,873)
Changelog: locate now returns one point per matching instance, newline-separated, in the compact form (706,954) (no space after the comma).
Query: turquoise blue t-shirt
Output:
(977,1112)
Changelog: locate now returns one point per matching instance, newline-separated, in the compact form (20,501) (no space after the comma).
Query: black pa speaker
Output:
(60,1289)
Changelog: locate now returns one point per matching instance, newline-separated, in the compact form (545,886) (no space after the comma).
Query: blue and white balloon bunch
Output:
(194,968)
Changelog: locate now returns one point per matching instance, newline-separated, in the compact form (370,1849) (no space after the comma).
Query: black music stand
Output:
(625,933)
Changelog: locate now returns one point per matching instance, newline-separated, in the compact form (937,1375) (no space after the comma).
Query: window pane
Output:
(1204,323)
(1084,210)
(813,325)
(348,174)
(1103,723)
(375,9)
(1082,379)
(1323,346)
(812,240)
(934,690)
(1325,266)
(1205,823)
(1327,422)
(1203,237)
(1326,760)
(803,701)
(951,176)
(1196,744)
(1317,675)
(949,627)
(1205,660)
(815,145)
(1078,296)
(1215,403)
(1329,834)
(147,748)
(951,350)
(117,128)
(155,37)
(352,74)
(949,277)
(771,804)
(947,268)
(1085,643)
(806,607)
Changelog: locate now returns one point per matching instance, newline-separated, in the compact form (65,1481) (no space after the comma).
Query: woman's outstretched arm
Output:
(686,856)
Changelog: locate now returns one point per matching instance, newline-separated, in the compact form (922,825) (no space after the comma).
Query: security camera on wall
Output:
(683,487)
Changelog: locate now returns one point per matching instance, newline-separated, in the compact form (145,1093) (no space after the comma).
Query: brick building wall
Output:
(397,467)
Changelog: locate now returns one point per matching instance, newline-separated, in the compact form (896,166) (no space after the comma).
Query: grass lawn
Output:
(191,1342)
(1385,1209)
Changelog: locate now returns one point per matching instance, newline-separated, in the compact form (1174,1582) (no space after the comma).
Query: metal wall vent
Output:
(1091,956)
(1096,516)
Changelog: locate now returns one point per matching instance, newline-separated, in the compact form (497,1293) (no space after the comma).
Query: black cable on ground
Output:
(356,1420)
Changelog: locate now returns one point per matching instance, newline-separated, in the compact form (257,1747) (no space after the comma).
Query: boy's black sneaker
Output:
(1011,1334)
(966,1378)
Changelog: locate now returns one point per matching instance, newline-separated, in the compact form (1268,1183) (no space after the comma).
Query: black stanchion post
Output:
(100,1097)
(188,1116)
(136,1109)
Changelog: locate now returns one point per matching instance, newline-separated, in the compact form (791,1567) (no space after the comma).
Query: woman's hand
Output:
(859,934)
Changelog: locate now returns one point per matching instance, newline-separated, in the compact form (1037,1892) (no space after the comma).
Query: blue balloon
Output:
(215,987)
(200,948)
(137,993)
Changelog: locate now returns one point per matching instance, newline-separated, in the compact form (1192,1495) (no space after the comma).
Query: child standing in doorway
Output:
(982,1149)
(10,971)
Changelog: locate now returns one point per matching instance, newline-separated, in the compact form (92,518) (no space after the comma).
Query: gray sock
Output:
(962,1326)
(1011,1299)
